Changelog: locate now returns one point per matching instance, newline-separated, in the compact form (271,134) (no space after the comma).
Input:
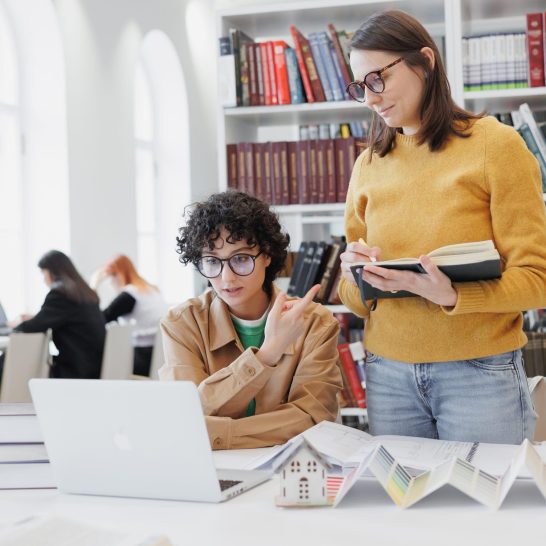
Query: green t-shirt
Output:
(251,334)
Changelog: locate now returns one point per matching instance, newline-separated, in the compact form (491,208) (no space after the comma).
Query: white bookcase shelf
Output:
(447,20)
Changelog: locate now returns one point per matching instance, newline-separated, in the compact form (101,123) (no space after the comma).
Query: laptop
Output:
(145,439)
(5,330)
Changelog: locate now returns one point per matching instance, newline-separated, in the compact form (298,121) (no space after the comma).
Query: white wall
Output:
(101,40)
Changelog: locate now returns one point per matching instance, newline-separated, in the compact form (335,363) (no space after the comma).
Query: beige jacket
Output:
(201,345)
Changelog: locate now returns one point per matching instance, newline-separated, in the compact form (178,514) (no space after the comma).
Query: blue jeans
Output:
(485,399)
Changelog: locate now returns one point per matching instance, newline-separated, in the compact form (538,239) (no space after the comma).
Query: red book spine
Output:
(249,165)
(281,72)
(285,181)
(302,166)
(321,170)
(272,73)
(313,174)
(241,167)
(231,157)
(293,172)
(258,172)
(352,375)
(342,180)
(535,49)
(301,63)
(267,174)
(331,192)
(340,56)
(265,74)
(276,169)
(252,74)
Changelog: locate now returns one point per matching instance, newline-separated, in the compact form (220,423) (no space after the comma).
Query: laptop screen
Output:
(3,317)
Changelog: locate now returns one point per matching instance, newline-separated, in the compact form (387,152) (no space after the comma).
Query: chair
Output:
(26,358)
(117,359)
(158,356)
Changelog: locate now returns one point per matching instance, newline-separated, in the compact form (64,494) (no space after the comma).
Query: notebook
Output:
(463,262)
(144,439)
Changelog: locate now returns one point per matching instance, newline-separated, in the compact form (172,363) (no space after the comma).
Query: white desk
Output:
(365,517)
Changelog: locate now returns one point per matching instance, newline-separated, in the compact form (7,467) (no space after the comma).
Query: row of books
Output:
(506,60)
(533,133)
(318,263)
(271,72)
(287,173)
(352,357)
(322,131)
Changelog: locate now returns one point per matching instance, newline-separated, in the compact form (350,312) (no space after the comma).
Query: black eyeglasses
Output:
(241,264)
(373,81)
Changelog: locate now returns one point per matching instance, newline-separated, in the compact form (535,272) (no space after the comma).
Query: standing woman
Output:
(72,312)
(446,364)
(137,302)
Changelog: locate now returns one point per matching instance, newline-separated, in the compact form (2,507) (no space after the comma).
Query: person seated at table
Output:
(137,302)
(265,364)
(71,311)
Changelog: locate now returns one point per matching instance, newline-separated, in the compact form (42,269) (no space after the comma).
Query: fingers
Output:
(279,304)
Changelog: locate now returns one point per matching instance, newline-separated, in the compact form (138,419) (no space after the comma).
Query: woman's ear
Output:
(429,54)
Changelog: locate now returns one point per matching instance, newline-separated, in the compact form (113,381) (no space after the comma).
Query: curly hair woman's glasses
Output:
(372,80)
(241,264)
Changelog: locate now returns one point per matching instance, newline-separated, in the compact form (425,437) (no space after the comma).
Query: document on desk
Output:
(346,446)
(19,424)
(23,453)
(405,489)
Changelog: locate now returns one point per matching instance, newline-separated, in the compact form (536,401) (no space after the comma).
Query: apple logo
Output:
(121,440)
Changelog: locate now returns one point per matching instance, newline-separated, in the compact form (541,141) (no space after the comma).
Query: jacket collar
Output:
(221,329)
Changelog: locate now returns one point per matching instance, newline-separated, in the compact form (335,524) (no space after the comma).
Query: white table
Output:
(365,517)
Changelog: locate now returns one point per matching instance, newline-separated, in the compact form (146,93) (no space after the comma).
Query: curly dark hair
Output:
(245,218)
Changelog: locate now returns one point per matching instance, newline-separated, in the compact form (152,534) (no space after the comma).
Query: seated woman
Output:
(71,310)
(265,365)
(138,302)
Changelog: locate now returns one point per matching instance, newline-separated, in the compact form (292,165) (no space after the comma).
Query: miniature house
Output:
(303,478)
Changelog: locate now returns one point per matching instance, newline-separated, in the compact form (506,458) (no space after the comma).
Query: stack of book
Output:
(534,354)
(352,359)
(272,72)
(318,263)
(24,463)
(300,172)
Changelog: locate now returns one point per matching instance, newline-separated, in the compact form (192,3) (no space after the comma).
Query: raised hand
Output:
(284,325)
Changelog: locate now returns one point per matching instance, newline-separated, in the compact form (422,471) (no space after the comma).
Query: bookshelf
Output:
(447,20)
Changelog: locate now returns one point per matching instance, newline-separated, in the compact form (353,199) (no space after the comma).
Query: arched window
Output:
(11,219)
(33,150)
(161,164)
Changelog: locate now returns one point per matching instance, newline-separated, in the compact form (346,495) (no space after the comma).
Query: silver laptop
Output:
(143,439)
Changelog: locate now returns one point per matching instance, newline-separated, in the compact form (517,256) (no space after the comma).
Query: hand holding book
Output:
(357,253)
(431,275)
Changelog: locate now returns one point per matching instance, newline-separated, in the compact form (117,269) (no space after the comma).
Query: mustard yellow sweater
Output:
(411,201)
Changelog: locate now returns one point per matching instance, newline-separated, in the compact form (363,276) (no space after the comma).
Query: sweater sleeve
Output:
(121,305)
(355,227)
(53,313)
(512,179)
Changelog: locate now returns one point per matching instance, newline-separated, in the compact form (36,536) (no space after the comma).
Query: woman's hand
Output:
(434,286)
(354,253)
(284,325)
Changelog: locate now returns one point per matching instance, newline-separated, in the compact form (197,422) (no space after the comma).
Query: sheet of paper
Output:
(246,459)
(27,476)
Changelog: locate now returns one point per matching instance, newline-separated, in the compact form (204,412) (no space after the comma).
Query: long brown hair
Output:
(400,33)
(66,278)
(121,265)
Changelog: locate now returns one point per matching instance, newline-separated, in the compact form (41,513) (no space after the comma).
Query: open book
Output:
(463,262)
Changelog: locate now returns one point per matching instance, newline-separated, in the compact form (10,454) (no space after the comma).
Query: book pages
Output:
(406,490)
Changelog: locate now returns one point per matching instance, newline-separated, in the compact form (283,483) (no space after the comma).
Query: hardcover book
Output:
(463,262)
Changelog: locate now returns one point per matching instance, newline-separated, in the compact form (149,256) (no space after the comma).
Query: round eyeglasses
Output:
(373,81)
(241,264)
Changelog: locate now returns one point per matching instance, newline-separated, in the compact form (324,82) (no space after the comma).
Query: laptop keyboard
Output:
(226,484)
